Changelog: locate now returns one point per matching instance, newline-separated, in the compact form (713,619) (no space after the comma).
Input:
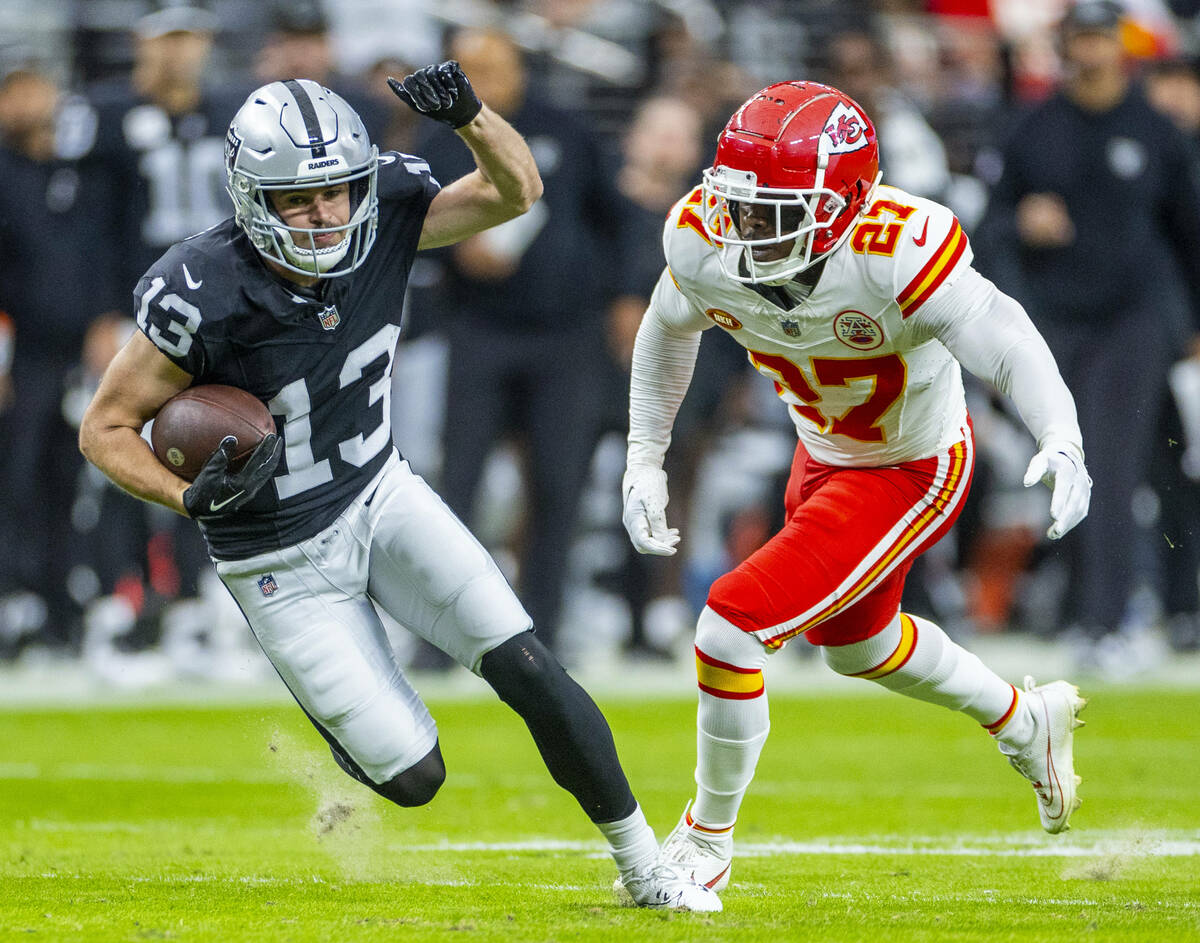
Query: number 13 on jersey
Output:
(294,403)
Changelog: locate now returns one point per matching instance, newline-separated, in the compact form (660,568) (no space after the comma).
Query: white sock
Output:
(914,657)
(732,719)
(631,841)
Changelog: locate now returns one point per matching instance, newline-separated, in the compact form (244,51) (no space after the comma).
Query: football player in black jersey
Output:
(297,298)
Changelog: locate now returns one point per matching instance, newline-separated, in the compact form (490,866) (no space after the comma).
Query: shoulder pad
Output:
(402,175)
(190,270)
(182,291)
(911,245)
(686,244)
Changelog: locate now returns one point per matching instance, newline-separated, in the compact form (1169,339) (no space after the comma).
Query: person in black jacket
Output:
(156,137)
(1173,87)
(664,151)
(55,288)
(1094,224)
(525,320)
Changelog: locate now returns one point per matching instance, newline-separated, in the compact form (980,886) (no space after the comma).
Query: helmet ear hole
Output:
(853,201)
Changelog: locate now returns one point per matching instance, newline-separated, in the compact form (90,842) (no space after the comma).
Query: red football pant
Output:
(836,571)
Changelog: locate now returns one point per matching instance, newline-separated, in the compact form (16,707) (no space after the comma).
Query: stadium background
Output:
(158,782)
(122,598)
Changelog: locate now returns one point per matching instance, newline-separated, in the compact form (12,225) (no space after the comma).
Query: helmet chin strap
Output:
(319,261)
(313,260)
(776,282)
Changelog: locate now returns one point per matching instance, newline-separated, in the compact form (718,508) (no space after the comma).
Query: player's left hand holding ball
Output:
(1060,466)
(217,491)
(441,92)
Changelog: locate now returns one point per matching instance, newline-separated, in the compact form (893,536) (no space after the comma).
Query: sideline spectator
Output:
(399,123)
(54,287)
(525,320)
(663,152)
(911,154)
(1173,87)
(1096,185)
(299,45)
(159,139)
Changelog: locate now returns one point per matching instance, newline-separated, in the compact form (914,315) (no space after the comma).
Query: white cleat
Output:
(705,857)
(662,886)
(1048,761)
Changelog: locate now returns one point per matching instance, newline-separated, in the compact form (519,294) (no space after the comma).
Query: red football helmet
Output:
(808,151)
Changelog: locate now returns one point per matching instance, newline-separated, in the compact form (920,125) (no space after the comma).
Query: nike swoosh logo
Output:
(920,240)
(387,158)
(712,883)
(1050,793)
(1054,798)
(214,506)
(191,282)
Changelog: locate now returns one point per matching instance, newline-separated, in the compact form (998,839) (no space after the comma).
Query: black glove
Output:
(217,491)
(441,92)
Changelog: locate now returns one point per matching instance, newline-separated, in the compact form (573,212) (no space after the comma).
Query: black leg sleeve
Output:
(567,726)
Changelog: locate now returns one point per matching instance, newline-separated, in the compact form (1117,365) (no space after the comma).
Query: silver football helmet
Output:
(296,134)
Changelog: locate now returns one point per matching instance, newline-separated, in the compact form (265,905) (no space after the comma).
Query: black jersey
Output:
(56,276)
(1128,179)
(168,169)
(322,364)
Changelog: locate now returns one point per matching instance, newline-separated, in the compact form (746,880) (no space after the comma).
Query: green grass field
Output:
(872,818)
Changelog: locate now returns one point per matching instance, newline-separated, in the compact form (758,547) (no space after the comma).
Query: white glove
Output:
(645,514)
(1060,466)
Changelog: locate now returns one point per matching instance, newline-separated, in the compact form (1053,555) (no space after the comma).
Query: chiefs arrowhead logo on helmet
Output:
(806,155)
(845,130)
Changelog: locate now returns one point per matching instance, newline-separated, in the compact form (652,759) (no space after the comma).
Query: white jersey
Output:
(866,379)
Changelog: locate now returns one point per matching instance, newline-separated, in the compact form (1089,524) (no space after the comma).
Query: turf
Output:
(872,818)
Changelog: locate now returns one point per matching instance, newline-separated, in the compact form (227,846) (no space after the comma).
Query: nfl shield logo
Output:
(330,317)
(267,584)
(790,328)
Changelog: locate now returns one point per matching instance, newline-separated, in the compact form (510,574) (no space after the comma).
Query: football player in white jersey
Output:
(859,302)
(296,298)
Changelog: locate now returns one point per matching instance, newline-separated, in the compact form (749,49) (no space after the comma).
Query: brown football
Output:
(191,425)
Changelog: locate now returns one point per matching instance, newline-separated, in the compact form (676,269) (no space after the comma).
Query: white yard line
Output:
(1152,845)
(1158,844)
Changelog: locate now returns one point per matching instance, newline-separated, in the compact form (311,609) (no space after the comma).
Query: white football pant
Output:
(310,606)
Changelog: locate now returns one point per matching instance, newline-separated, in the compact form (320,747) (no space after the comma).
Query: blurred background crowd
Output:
(1062,137)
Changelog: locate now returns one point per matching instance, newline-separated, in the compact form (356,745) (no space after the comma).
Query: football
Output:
(191,425)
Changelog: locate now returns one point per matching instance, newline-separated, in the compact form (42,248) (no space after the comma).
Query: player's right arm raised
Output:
(505,182)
